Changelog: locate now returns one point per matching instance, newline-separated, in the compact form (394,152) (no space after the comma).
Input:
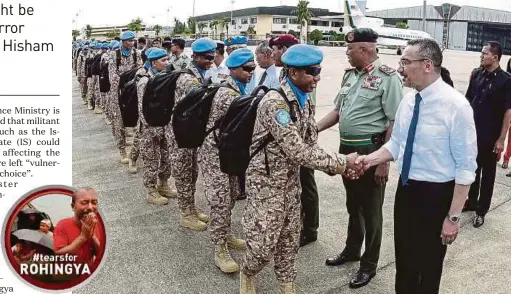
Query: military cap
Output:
(149,50)
(156,54)
(203,45)
(92,45)
(179,42)
(365,35)
(284,40)
(167,41)
(112,43)
(127,35)
(117,45)
(228,42)
(302,55)
(239,40)
(239,57)
(220,45)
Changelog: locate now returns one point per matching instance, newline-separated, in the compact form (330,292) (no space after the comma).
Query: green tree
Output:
(157,29)
(316,36)
(75,34)
(201,26)
(112,34)
(401,25)
(251,31)
(191,25)
(214,26)
(303,15)
(224,23)
(135,25)
(179,27)
(88,31)
(292,32)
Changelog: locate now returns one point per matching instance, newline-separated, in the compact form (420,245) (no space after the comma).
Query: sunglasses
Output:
(208,57)
(312,71)
(248,68)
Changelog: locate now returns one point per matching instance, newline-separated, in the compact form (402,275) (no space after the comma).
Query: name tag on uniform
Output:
(372,82)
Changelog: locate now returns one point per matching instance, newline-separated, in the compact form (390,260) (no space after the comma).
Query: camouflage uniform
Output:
(105,97)
(82,77)
(114,73)
(271,220)
(184,161)
(92,84)
(179,62)
(153,142)
(221,189)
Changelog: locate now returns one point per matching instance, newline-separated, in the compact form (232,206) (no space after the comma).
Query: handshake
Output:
(355,166)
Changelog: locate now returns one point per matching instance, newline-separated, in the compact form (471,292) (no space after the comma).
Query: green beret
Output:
(363,35)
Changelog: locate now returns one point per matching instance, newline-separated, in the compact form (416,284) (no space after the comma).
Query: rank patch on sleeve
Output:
(283,118)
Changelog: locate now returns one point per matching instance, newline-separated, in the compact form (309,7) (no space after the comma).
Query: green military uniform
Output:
(367,103)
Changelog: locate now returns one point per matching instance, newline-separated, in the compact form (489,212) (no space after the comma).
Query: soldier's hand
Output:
(381,175)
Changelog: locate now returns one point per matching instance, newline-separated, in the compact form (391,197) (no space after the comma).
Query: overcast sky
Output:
(99,12)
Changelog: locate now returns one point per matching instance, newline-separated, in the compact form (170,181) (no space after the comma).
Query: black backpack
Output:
(128,100)
(236,132)
(96,64)
(104,79)
(118,58)
(158,100)
(190,116)
(88,66)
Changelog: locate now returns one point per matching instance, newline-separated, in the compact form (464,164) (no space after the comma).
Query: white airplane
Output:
(391,38)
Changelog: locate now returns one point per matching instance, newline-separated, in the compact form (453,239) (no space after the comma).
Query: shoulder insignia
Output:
(386,69)
(282,106)
(282,117)
(222,76)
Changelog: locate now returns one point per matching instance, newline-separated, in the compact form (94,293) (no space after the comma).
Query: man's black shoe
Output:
(242,196)
(478,221)
(361,279)
(307,238)
(340,259)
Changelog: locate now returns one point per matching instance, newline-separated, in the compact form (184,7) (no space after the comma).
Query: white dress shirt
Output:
(214,71)
(272,77)
(445,145)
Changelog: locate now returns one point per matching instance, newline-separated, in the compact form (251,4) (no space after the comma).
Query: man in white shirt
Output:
(270,76)
(435,144)
(218,65)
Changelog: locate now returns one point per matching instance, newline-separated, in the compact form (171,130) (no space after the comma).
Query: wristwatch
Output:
(455,218)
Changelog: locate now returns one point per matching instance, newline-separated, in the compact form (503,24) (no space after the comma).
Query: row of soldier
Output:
(272,219)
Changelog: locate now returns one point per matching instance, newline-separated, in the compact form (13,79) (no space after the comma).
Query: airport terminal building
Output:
(456,27)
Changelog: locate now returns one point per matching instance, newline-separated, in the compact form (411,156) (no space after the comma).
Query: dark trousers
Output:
(482,188)
(419,212)
(310,202)
(241,182)
(364,201)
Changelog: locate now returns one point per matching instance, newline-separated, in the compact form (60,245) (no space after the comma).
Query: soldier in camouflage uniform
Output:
(123,59)
(178,59)
(153,143)
(82,77)
(184,161)
(222,189)
(99,101)
(91,82)
(271,220)
(105,97)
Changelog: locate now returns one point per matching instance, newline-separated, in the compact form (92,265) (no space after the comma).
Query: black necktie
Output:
(263,78)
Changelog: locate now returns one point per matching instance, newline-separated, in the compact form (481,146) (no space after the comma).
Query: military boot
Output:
(287,288)
(132,167)
(108,121)
(91,107)
(155,198)
(84,98)
(98,110)
(201,214)
(247,285)
(124,157)
(165,190)
(224,261)
(190,220)
(235,243)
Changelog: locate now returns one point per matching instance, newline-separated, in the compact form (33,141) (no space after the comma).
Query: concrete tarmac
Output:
(149,253)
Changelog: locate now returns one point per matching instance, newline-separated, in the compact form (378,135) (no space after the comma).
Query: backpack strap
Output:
(134,58)
(118,57)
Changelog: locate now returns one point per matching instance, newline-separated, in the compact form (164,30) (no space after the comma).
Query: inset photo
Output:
(54,238)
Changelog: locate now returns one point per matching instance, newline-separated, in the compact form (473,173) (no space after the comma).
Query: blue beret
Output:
(239,57)
(112,43)
(156,54)
(117,45)
(302,55)
(92,45)
(149,50)
(239,40)
(128,35)
(204,45)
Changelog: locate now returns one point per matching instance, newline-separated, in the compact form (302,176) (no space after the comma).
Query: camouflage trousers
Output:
(93,85)
(115,111)
(271,224)
(105,102)
(83,87)
(155,155)
(221,192)
(185,171)
(135,148)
